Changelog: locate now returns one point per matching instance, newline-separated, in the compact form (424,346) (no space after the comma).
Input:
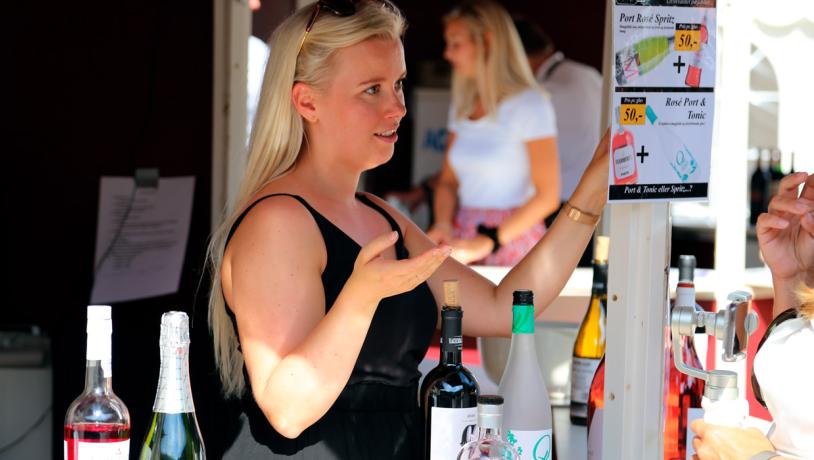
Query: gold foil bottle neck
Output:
(601,248)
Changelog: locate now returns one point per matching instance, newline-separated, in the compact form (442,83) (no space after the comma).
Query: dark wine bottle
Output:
(449,393)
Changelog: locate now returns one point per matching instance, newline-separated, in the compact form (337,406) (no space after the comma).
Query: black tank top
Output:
(402,326)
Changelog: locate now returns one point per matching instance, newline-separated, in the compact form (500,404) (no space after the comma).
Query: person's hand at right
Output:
(786,232)
(375,277)
(440,232)
(713,442)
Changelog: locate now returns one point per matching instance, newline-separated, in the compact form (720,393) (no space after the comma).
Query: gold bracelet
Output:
(578,215)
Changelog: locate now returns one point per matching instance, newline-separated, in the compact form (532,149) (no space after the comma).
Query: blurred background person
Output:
(500,176)
(575,90)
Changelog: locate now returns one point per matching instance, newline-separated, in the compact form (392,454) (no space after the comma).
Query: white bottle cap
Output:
(99,320)
(99,329)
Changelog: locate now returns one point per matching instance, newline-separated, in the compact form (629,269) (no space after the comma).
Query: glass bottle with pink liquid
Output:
(97,423)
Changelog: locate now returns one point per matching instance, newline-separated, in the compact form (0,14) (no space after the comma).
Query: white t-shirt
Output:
(784,367)
(489,155)
(576,93)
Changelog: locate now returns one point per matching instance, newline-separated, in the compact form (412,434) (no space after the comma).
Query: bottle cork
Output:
(601,246)
(451,293)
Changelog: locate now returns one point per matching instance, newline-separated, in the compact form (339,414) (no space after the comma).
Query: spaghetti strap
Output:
(249,208)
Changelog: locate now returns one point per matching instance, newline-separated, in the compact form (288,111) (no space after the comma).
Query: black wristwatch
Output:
(490,232)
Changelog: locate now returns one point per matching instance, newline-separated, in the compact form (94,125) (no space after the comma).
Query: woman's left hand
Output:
(714,442)
(592,192)
(471,250)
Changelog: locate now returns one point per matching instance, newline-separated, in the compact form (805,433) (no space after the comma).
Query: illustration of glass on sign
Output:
(641,57)
(676,152)
(623,154)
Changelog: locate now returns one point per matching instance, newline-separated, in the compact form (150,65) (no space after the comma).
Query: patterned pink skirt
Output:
(466,226)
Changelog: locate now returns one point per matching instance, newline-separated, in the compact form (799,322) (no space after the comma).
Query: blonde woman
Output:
(783,368)
(500,177)
(325,300)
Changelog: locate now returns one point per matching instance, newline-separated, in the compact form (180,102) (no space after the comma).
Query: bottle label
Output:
(523,319)
(595,436)
(623,162)
(692,414)
(119,450)
(451,429)
(532,445)
(582,373)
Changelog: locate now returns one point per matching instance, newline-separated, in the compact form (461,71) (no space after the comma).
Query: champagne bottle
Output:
(491,442)
(449,393)
(590,344)
(174,432)
(97,423)
(596,409)
(683,393)
(527,409)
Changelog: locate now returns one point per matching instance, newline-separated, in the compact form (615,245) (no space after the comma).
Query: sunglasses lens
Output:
(340,8)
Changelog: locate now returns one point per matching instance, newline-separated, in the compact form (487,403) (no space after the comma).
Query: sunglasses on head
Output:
(340,8)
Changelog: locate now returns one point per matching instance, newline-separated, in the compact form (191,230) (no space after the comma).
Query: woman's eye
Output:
(372,90)
(400,85)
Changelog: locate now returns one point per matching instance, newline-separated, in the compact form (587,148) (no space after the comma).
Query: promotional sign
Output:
(663,99)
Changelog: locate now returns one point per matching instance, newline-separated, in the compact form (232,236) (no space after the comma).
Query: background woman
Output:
(500,177)
(325,300)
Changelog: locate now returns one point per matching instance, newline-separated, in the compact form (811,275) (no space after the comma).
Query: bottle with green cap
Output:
(527,409)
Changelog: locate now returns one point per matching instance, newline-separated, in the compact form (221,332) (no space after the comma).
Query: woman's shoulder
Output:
(526,102)
(274,218)
(400,218)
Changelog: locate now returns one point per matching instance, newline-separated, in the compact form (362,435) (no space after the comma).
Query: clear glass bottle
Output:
(174,433)
(589,346)
(527,408)
(491,442)
(449,393)
(97,423)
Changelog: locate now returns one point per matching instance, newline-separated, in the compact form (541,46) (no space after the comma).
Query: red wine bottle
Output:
(97,423)
(449,393)
(682,393)
(596,408)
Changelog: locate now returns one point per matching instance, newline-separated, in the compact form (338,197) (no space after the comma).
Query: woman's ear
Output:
(302,96)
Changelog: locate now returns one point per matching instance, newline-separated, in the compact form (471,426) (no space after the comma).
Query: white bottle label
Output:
(692,414)
(624,162)
(582,373)
(595,436)
(100,450)
(451,429)
(532,445)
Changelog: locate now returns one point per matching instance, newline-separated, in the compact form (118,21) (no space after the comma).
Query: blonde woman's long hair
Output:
(501,67)
(806,295)
(279,133)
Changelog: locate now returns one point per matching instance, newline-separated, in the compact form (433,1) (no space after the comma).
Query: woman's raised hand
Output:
(592,192)
(786,232)
(375,277)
